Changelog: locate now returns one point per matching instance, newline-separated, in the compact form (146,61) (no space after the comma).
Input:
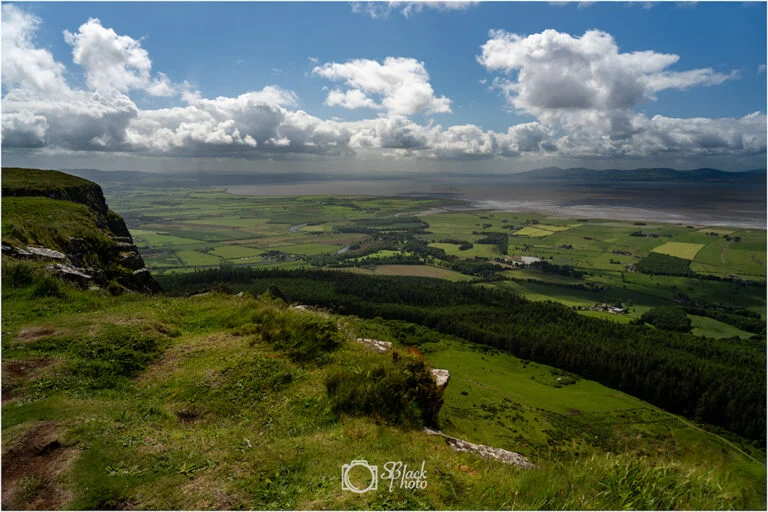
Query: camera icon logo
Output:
(346,485)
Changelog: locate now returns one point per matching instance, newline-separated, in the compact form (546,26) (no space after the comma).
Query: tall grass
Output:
(398,390)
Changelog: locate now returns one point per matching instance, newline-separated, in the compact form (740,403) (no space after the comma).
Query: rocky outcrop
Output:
(441,377)
(101,254)
(377,345)
(487,452)
(72,274)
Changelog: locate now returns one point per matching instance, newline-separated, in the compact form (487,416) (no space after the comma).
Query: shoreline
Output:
(552,208)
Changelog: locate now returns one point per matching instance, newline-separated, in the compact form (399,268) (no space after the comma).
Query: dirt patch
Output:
(32,469)
(189,415)
(20,369)
(34,333)
(573,412)
(16,372)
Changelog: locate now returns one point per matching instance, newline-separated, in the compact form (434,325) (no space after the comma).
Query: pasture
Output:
(183,229)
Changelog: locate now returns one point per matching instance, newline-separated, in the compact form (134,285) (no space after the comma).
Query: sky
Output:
(377,88)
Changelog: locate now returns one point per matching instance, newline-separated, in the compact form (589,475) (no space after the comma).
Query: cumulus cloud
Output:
(586,89)
(594,119)
(24,65)
(351,99)
(401,83)
(552,70)
(114,62)
(385,9)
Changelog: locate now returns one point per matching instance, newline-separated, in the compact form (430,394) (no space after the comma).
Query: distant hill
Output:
(193,178)
(756,176)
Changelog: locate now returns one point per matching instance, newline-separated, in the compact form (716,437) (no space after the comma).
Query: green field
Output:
(211,420)
(233,388)
(181,229)
(235,252)
(683,250)
(704,326)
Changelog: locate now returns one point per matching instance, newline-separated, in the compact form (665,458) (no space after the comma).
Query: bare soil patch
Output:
(15,372)
(32,469)
(34,333)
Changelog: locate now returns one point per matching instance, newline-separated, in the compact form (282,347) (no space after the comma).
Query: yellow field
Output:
(531,231)
(543,229)
(683,250)
(719,231)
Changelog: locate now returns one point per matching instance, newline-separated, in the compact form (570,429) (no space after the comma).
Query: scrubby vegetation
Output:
(398,390)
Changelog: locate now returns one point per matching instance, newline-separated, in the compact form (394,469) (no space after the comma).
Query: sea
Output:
(705,204)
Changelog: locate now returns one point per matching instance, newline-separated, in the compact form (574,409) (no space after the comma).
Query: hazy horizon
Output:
(383,88)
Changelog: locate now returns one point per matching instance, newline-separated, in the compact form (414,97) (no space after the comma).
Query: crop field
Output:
(412,270)
(533,231)
(235,252)
(182,229)
(683,250)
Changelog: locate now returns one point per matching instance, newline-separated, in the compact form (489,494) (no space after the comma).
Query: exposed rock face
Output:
(72,274)
(377,345)
(46,254)
(441,377)
(141,280)
(488,452)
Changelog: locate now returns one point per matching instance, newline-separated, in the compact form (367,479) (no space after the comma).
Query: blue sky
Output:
(227,49)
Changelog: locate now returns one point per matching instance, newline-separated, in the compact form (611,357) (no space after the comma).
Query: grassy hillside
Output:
(69,215)
(208,402)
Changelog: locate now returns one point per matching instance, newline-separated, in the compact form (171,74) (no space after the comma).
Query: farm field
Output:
(683,250)
(412,270)
(704,326)
(593,261)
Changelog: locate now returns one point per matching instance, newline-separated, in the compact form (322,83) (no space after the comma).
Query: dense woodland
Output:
(720,382)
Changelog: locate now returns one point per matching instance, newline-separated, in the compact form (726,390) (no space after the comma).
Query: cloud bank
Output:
(580,91)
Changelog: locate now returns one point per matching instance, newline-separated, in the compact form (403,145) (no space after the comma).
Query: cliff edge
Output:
(64,221)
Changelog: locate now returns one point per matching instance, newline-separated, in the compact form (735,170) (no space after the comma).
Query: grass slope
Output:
(207,405)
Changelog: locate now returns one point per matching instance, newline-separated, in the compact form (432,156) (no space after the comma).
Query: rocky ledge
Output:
(69,266)
(487,452)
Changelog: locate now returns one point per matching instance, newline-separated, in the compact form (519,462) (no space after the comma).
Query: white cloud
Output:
(402,83)
(114,62)
(589,120)
(351,99)
(556,71)
(23,65)
(587,88)
(385,9)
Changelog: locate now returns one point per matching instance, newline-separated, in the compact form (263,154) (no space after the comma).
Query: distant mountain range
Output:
(756,176)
